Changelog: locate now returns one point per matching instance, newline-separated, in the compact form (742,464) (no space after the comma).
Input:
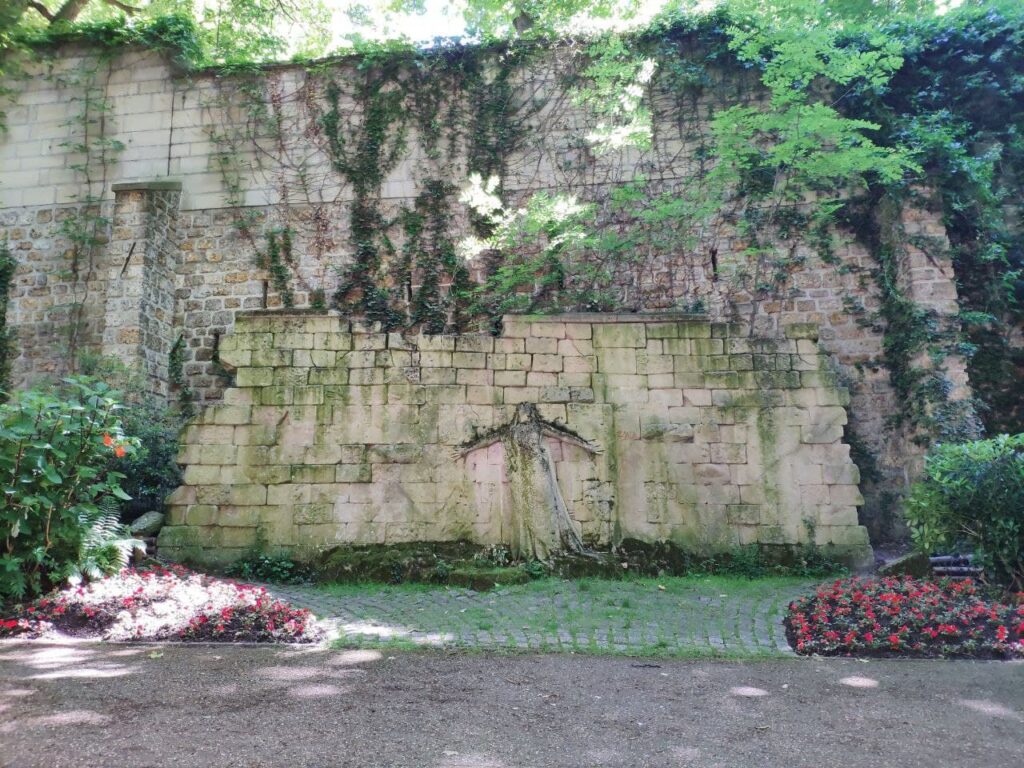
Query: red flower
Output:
(119,451)
(107,439)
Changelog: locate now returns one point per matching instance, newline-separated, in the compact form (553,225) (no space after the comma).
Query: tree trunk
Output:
(541,523)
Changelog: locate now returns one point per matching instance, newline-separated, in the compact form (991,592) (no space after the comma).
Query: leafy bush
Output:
(973,493)
(158,603)
(150,472)
(57,519)
(905,617)
(277,570)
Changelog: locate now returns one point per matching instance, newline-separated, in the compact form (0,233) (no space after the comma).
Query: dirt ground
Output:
(87,704)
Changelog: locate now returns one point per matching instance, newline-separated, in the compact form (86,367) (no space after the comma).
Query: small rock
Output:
(915,564)
(148,524)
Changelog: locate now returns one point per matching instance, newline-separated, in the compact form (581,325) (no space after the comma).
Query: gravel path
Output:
(676,617)
(80,705)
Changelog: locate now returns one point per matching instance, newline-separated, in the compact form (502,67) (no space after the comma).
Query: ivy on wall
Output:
(852,114)
(8,350)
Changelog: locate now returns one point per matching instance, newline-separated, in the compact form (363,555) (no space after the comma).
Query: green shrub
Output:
(58,520)
(274,569)
(973,494)
(151,472)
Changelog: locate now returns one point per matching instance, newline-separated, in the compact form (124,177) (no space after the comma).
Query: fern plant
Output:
(106,545)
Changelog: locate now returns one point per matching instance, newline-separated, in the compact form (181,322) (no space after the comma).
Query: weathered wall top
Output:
(658,428)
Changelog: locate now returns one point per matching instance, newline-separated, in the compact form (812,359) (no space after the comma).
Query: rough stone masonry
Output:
(169,271)
(338,433)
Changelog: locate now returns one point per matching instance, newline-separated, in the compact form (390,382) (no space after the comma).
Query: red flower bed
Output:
(163,603)
(905,617)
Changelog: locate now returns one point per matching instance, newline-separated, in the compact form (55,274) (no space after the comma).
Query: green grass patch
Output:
(726,617)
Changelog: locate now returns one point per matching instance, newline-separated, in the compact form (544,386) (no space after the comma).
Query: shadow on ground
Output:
(88,704)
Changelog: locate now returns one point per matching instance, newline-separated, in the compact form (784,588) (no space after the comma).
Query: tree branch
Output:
(42,9)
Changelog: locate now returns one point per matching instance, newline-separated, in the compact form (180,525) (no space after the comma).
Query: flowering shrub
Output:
(905,617)
(163,603)
(57,515)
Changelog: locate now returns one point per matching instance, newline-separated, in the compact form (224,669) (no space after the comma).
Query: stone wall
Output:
(674,428)
(171,269)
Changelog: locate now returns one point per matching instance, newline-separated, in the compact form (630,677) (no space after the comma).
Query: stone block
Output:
(352,473)
(369,341)
(469,360)
(547,363)
(474,343)
(293,340)
(200,514)
(542,346)
(612,335)
(846,495)
(228,414)
(538,379)
(198,474)
(575,347)
(743,514)
(694,329)
(517,362)
(821,433)
(662,330)
(215,454)
(254,377)
(802,331)
(617,361)
(512,378)
(841,474)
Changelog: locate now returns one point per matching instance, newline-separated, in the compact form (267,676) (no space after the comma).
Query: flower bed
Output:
(905,617)
(163,603)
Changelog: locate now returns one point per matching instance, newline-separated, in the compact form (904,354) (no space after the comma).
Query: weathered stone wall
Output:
(172,270)
(340,434)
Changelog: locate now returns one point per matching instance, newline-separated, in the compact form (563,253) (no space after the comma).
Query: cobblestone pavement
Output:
(684,617)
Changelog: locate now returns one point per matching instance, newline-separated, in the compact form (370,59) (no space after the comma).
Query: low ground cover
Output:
(680,617)
(162,603)
(906,617)
(462,564)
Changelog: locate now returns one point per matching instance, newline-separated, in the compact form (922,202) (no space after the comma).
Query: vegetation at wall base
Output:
(59,516)
(461,563)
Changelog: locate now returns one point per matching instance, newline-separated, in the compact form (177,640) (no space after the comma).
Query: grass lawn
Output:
(683,617)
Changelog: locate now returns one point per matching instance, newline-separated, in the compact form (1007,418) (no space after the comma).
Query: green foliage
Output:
(278,259)
(957,107)
(973,494)
(54,454)
(7,347)
(276,570)
(175,33)
(151,471)
(534,243)
(798,139)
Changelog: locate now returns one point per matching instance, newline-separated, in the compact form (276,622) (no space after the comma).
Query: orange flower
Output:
(119,451)
(107,439)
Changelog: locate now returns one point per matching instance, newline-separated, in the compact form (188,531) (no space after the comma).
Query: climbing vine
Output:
(85,227)
(7,346)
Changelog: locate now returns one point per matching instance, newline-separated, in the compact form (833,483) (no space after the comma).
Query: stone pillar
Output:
(927,277)
(143,258)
